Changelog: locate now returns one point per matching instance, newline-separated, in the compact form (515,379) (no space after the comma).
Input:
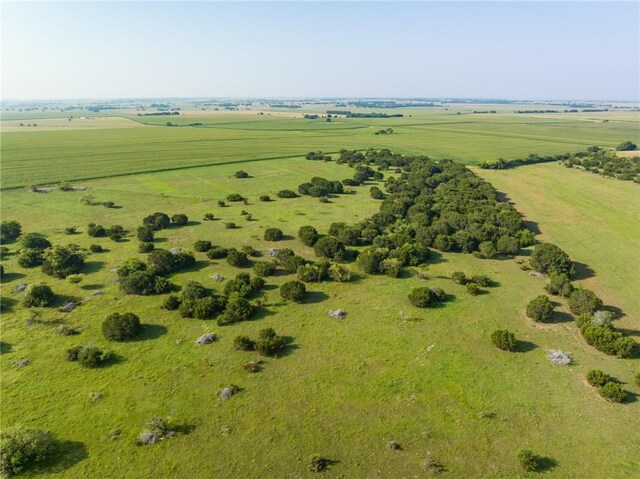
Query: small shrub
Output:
(23,448)
(217,252)
(503,339)
(237,309)
(9,231)
(293,291)
(269,343)
(171,303)
(208,217)
(584,301)
(146,247)
(459,277)
(329,247)
(179,219)
(155,430)
(221,203)
(481,280)
(35,241)
(75,278)
(273,234)
(540,309)
(421,297)
(265,198)
(241,174)
(96,231)
(145,234)
(121,327)
(230,225)
(236,258)
(308,235)
(61,261)
(70,230)
(243,343)
(391,267)
(234,197)
(202,246)
(473,289)
(596,378)
(264,268)
(88,356)
(339,273)
(30,258)
(548,258)
(96,248)
(318,464)
(38,295)
(287,194)
(528,460)
(612,392)
(559,284)
(251,366)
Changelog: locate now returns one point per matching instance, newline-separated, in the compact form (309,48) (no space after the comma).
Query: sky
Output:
(512,50)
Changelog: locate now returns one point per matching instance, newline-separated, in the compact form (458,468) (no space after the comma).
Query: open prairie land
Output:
(244,137)
(429,379)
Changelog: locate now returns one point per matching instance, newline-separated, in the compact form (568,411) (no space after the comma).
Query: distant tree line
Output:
(160,113)
(502,164)
(607,163)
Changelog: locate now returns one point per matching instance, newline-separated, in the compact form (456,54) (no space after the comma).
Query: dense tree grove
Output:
(436,204)
(607,163)
(502,164)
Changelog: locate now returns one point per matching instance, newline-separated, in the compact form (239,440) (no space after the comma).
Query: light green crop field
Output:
(429,379)
(38,156)
(595,219)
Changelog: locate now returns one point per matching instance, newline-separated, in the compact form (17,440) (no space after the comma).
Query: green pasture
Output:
(595,219)
(40,156)
(429,379)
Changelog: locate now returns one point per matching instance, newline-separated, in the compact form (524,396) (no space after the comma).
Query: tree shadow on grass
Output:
(525,346)
(4,347)
(7,304)
(151,331)
(193,223)
(583,271)
(8,277)
(532,226)
(546,463)
(68,453)
(92,266)
(92,286)
(629,332)
(114,359)
(184,428)
(289,347)
(197,266)
(630,398)
(436,258)
(261,313)
(315,297)
(617,312)
(560,316)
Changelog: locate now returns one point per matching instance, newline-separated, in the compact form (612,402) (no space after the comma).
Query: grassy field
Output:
(595,219)
(429,379)
(122,147)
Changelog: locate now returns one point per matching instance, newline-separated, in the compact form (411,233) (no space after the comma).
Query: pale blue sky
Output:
(569,50)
